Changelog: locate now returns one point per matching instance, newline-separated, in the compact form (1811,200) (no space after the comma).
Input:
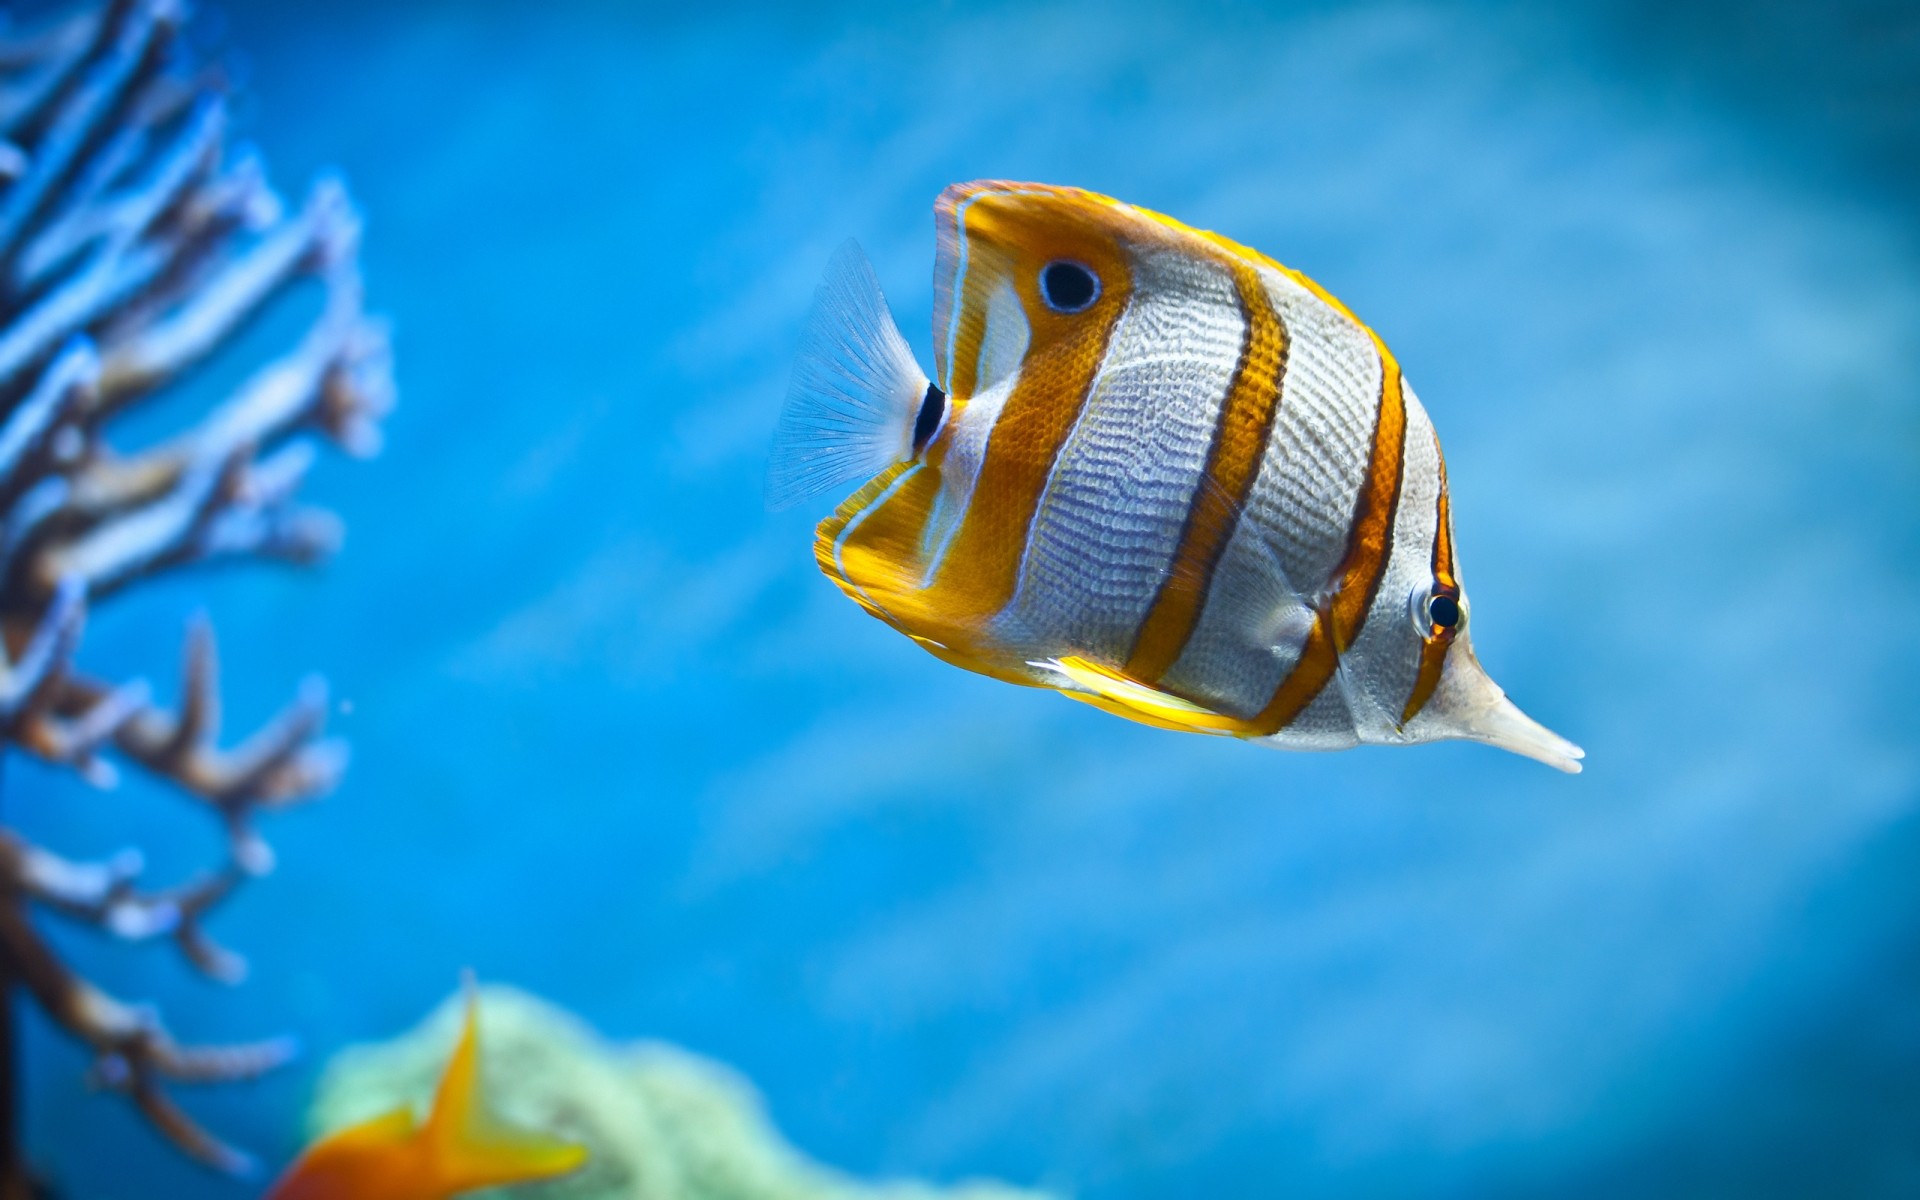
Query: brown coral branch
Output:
(324,234)
(134,1053)
(104,894)
(140,34)
(132,246)
(284,763)
(104,280)
(42,66)
(29,433)
(202,495)
(191,153)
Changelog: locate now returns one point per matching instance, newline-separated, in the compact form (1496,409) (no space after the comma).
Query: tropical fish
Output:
(457,1149)
(1155,471)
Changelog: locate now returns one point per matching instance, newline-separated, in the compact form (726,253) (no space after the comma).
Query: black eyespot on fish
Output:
(1444,611)
(933,407)
(1068,287)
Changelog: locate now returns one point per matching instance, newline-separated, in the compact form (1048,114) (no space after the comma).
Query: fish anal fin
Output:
(471,1149)
(1123,696)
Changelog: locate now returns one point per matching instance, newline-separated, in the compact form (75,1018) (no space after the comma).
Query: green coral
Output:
(661,1124)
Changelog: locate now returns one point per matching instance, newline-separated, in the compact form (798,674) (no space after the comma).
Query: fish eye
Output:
(1068,287)
(1435,613)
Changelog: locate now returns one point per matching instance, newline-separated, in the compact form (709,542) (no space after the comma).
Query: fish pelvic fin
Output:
(1118,693)
(468,1147)
(858,403)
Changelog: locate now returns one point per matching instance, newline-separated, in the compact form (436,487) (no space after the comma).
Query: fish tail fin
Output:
(858,402)
(470,1148)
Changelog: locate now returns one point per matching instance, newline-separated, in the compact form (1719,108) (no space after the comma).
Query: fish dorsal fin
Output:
(858,402)
(1118,693)
(470,1149)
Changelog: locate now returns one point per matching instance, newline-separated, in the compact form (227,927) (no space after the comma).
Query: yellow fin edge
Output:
(1123,696)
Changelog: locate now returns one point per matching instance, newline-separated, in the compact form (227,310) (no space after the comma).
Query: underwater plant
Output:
(134,244)
(658,1123)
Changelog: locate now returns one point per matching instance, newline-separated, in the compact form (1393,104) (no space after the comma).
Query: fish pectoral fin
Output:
(1118,693)
(470,1148)
(858,402)
(1251,592)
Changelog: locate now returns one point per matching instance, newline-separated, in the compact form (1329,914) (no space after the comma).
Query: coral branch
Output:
(104,895)
(133,246)
(123,216)
(29,431)
(90,104)
(282,764)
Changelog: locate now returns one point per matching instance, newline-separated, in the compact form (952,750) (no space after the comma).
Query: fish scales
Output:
(1292,535)
(980,574)
(1367,664)
(1315,465)
(1120,492)
(1241,433)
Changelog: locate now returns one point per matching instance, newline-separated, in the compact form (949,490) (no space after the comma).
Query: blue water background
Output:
(1653,271)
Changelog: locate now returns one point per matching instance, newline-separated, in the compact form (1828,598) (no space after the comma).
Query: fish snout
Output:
(1468,704)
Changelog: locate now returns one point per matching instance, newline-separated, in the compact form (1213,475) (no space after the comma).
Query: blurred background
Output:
(1655,270)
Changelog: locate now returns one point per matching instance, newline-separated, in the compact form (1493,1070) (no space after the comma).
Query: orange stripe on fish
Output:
(1339,620)
(1433,654)
(1372,535)
(978,576)
(1239,444)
